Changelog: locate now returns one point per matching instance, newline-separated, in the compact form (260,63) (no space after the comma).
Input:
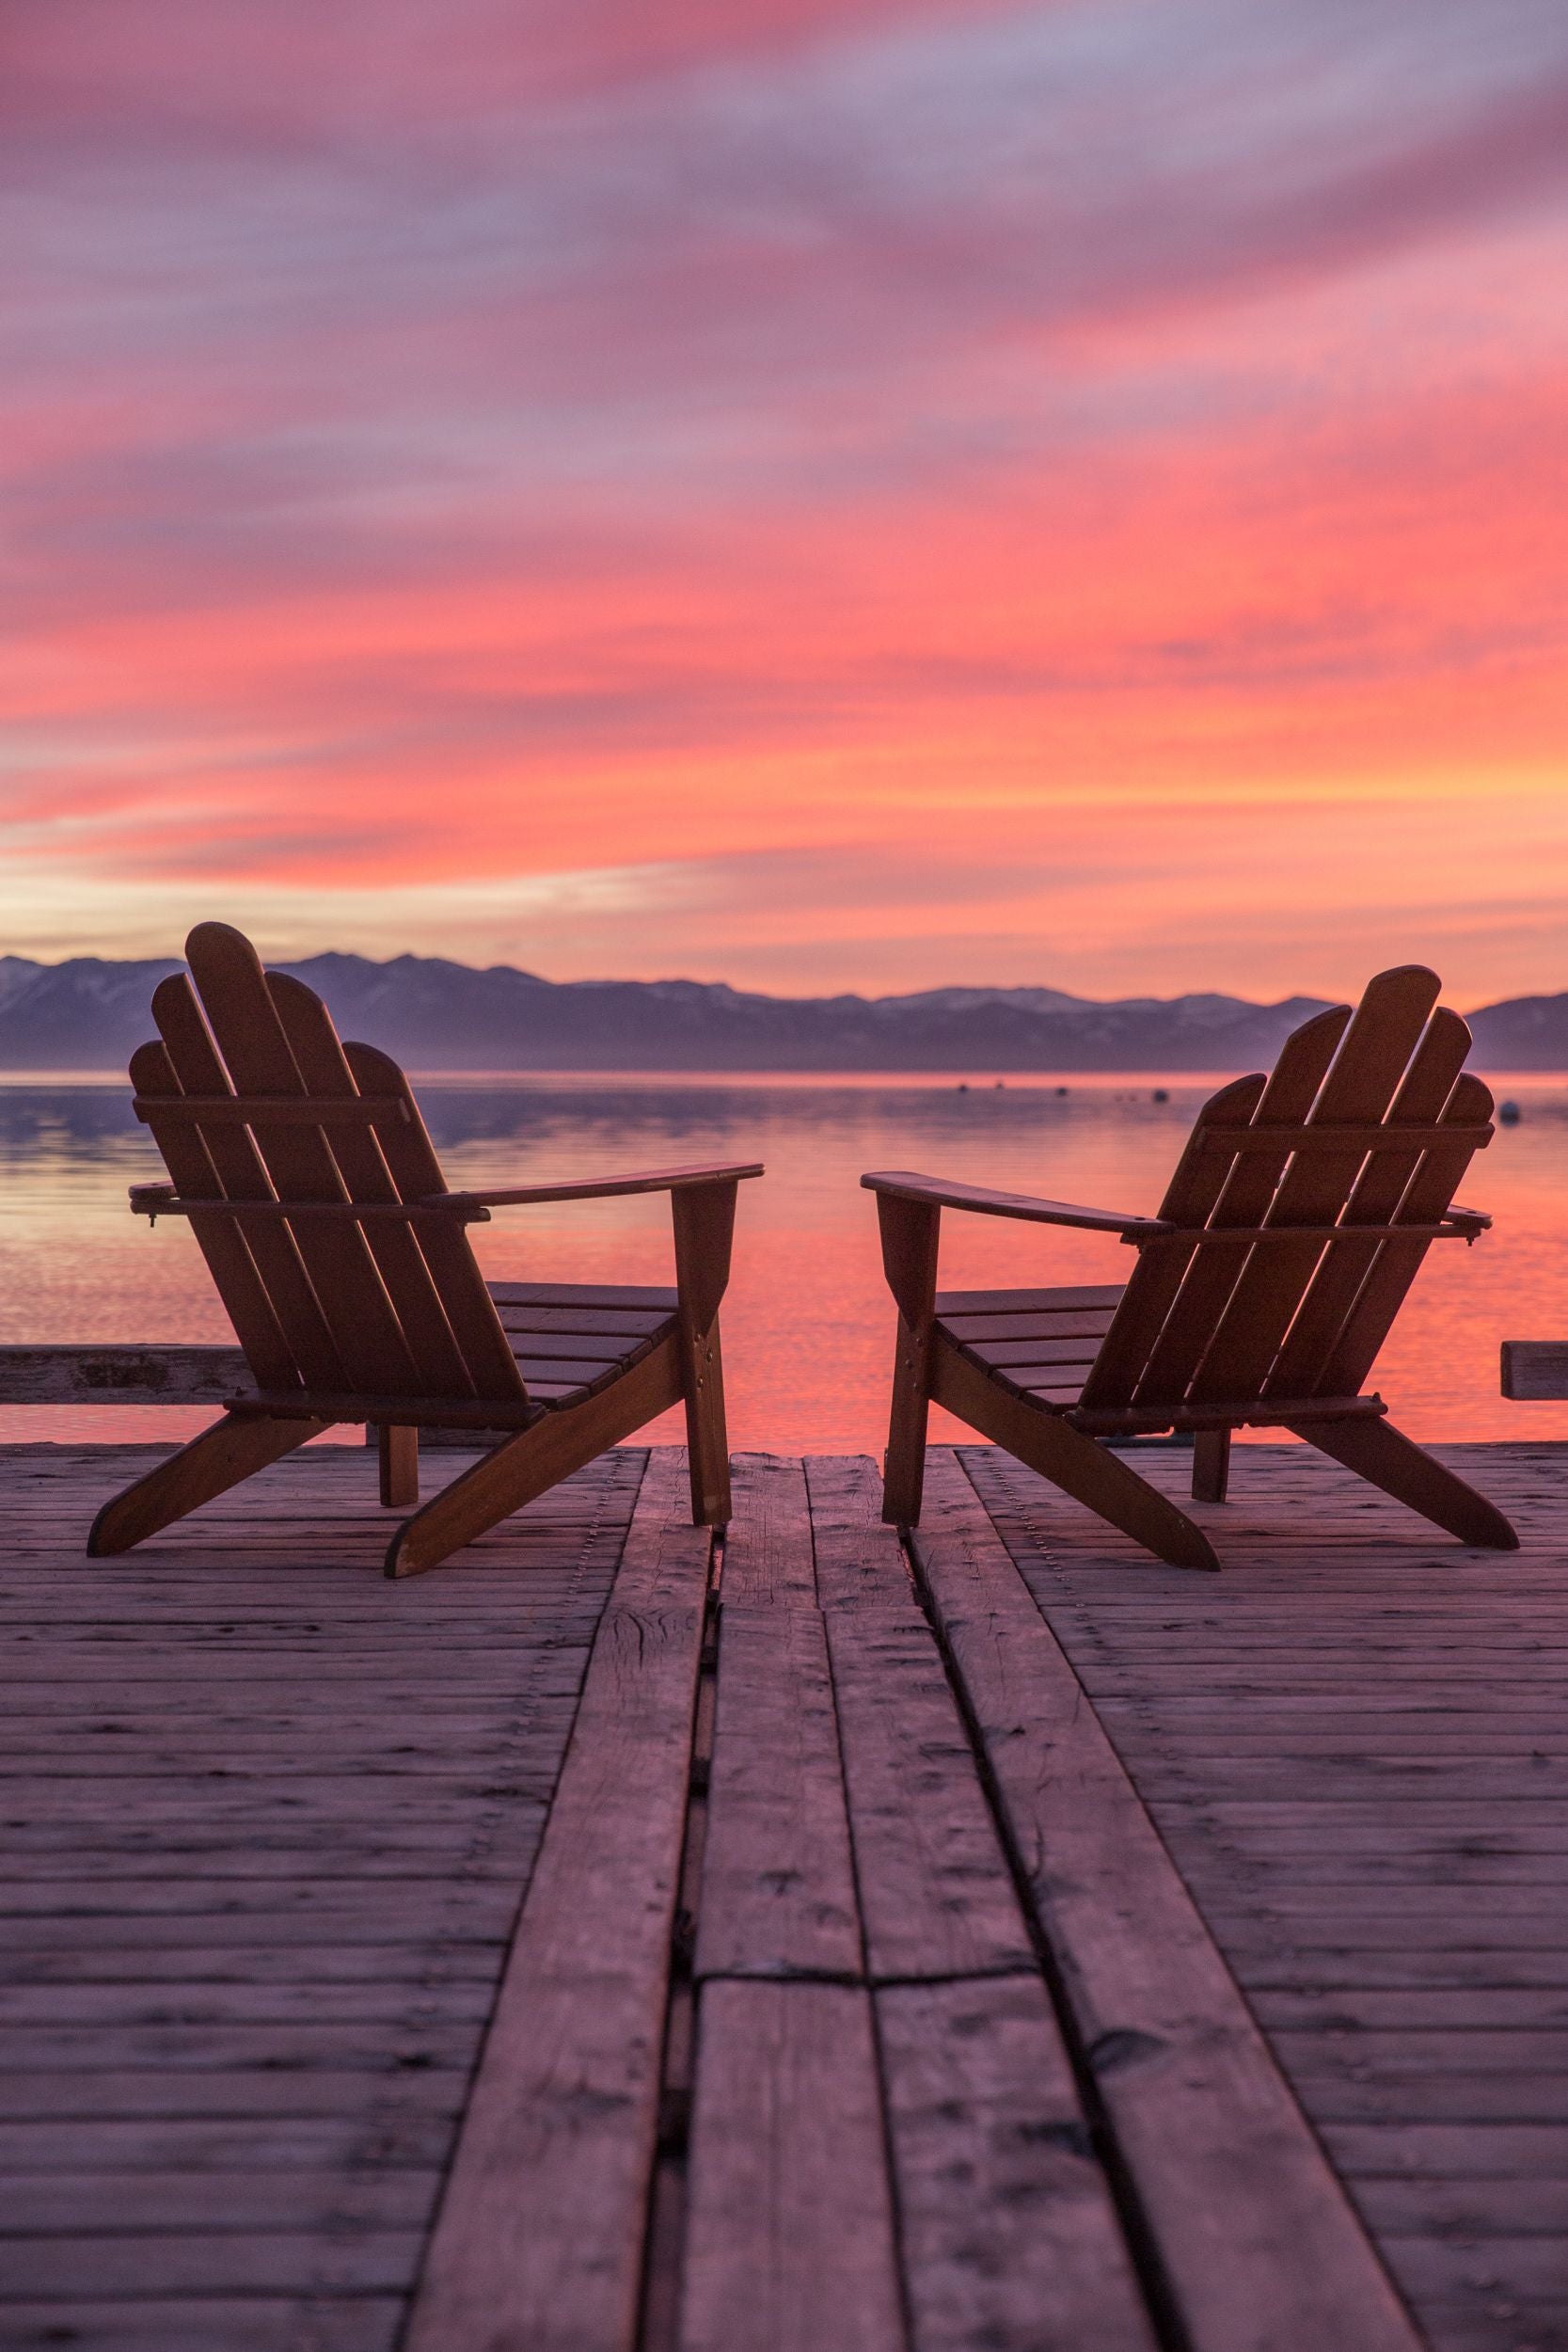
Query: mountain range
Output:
(88,1013)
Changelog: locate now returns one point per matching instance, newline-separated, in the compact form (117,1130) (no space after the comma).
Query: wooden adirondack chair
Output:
(1292,1228)
(319,1203)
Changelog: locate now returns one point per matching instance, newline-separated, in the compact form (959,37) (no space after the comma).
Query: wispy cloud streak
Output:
(869,442)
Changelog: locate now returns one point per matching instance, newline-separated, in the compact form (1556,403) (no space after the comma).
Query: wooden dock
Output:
(616,1943)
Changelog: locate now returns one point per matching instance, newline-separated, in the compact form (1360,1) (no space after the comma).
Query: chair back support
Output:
(1305,1204)
(307,1150)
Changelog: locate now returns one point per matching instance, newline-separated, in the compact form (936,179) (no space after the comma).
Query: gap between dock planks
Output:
(1255,2238)
(539,2243)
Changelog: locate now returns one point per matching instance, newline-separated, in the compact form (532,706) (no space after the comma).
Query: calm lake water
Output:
(808,1326)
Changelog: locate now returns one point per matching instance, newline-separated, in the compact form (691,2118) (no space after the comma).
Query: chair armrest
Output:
(901,1185)
(1469,1221)
(604,1188)
(148,1200)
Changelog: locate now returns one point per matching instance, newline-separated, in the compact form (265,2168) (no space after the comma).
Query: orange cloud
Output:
(791,504)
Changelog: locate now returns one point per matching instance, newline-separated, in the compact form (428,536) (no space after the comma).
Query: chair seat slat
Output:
(585,1346)
(1007,1353)
(1073,1298)
(625,1323)
(609,1295)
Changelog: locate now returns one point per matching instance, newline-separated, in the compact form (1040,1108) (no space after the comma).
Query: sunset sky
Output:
(812,493)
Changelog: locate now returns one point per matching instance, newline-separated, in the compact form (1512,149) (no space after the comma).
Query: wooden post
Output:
(704,1218)
(910,1231)
(1210,1465)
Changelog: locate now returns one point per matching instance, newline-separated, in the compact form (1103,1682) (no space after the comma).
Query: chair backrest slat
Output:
(411,1161)
(314,1041)
(1383,1033)
(1429,1193)
(234,1160)
(1189,1196)
(226,1248)
(1246,1192)
(1374,1200)
(299,1161)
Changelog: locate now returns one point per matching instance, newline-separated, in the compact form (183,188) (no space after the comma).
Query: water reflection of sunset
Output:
(807,1324)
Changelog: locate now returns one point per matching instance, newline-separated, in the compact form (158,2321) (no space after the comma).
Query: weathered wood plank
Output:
(768,1551)
(254,2323)
(1514,2206)
(1407,2152)
(158,2197)
(936,1893)
(1008,2235)
(1253,2232)
(105,1374)
(1535,1369)
(790,2241)
(206,2262)
(125,2091)
(143,2145)
(778,1886)
(858,1560)
(559,2128)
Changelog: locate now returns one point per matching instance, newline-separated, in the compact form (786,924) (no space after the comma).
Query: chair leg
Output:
(1386,1457)
(1090,1472)
(1210,1465)
(399,1448)
(904,1465)
(220,1458)
(703,1222)
(707,1444)
(1095,1476)
(490,1491)
(534,1460)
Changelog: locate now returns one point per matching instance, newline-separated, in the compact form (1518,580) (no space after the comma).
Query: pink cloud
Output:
(520,444)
